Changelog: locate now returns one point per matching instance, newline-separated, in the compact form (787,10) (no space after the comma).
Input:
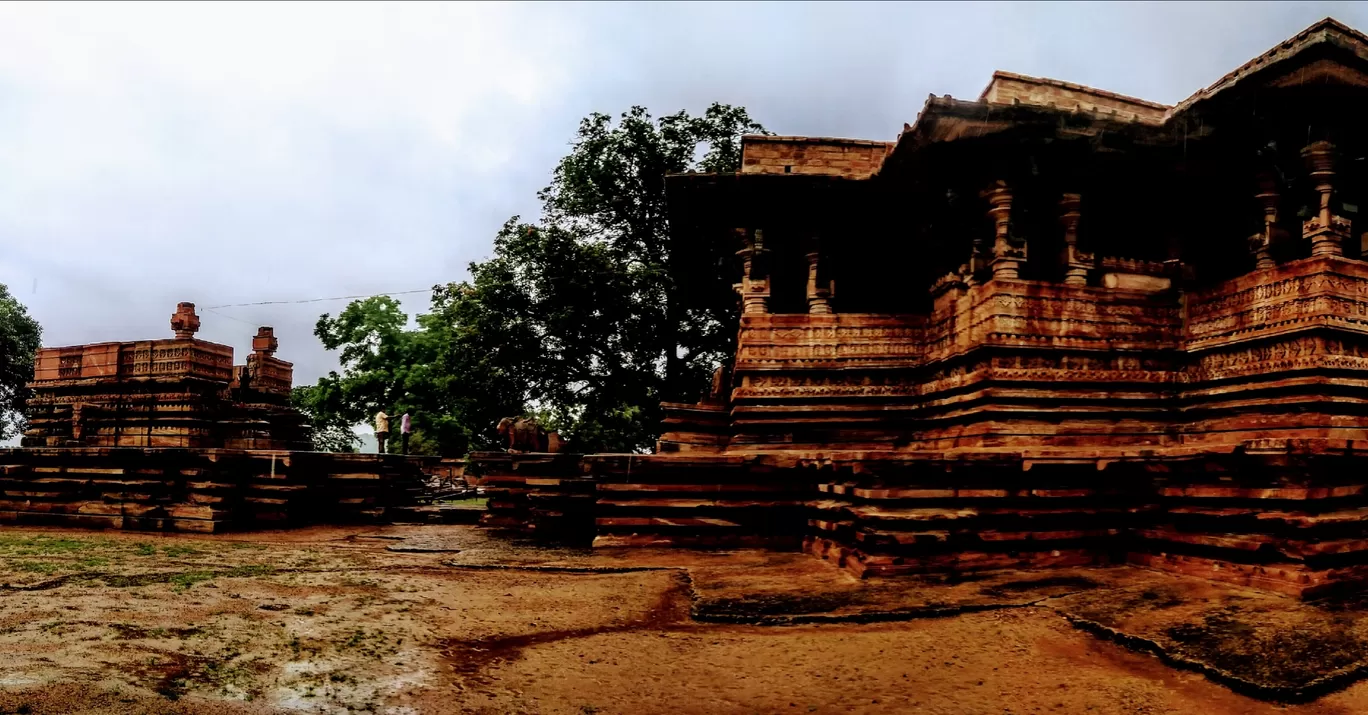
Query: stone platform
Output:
(1289,516)
(201,490)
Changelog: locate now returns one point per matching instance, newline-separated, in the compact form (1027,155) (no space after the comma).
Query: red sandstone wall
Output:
(851,158)
(145,358)
(1008,88)
(1029,364)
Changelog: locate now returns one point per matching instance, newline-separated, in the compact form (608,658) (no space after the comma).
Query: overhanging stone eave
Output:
(1328,38)
(726,199)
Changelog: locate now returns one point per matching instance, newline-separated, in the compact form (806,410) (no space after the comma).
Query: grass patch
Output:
(93,562)
(42,567)
(178,551)
(181,582)
(471,503)
(143,549)
(50,545)
(249,570)
(371,644)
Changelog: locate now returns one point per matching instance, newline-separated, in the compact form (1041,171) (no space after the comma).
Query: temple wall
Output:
(807,155)
(1010,363)
(179,392)
(144,358)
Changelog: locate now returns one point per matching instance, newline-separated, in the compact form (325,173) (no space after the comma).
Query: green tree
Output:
(589,317)
(623,319)
(328,431)
(20,338)
(442,371)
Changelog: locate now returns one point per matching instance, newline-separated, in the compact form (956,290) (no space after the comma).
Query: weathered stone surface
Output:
(1036,331)
(204,490)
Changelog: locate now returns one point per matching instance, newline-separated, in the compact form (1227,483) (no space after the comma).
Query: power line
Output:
(315,300)
(225,315)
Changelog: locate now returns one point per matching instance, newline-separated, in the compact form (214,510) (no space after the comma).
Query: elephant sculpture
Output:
(525,435)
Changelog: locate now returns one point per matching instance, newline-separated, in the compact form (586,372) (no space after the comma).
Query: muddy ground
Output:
(435,619)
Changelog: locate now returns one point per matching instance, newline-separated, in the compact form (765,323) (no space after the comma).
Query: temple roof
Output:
(1328,33)
(1327,52)
(1015,110)
(1010,88)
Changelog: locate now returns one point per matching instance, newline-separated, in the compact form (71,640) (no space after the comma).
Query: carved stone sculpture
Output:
(184,322)
(523,435)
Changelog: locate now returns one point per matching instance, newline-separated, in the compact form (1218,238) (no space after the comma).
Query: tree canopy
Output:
(20,338)
(587,317)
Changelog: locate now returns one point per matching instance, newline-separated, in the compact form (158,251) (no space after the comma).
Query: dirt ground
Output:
(437,619)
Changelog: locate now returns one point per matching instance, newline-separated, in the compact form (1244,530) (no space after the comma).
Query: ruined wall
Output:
(205,490)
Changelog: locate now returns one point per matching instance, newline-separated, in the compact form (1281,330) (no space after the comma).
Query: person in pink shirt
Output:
(404,427)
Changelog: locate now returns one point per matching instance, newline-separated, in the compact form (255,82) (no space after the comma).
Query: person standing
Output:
(404,428)
(381,430)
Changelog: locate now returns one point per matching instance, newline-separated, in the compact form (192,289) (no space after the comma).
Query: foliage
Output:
(588,318)
(20,338)
(328,432)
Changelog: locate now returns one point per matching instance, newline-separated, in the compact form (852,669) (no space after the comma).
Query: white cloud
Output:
(234,152)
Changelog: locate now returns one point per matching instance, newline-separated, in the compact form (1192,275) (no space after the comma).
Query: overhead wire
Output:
(317,300)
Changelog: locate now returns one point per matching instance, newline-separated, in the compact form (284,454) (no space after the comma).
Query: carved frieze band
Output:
(1304,352)
(1316,298)
(1327,293)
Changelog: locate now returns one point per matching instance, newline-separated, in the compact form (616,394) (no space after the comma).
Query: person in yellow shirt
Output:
(381,429)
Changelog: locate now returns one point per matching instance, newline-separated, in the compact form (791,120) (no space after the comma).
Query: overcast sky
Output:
(154,153)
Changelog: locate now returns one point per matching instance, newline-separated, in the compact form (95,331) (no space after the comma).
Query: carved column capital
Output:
(265,342)
(820,287)
(754,287)
(1076,263)
(1268,197)
(1008,252)
(184,322)
(1326,231)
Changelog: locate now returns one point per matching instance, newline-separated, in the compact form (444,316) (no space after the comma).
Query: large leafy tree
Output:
(589,317)
(20,338)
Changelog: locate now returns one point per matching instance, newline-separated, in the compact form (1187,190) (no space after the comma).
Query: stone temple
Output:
(169,435)
(176,392)
(1049,326)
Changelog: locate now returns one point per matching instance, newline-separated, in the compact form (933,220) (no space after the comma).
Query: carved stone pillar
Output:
(1261,243)
(1008,252)
(820,287)
(1326,231)
(184,322)
(265,343)
(754,287)
(1076,263)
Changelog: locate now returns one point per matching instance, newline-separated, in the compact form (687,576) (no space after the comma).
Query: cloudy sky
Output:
(235,153)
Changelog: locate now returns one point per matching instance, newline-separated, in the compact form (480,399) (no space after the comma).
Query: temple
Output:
(169,435)
(1052,325)
(176,392)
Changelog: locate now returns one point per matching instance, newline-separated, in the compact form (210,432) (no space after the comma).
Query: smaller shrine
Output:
(170,435)
(174,392)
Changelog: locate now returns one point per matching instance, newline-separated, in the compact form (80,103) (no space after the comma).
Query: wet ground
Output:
(435,619)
